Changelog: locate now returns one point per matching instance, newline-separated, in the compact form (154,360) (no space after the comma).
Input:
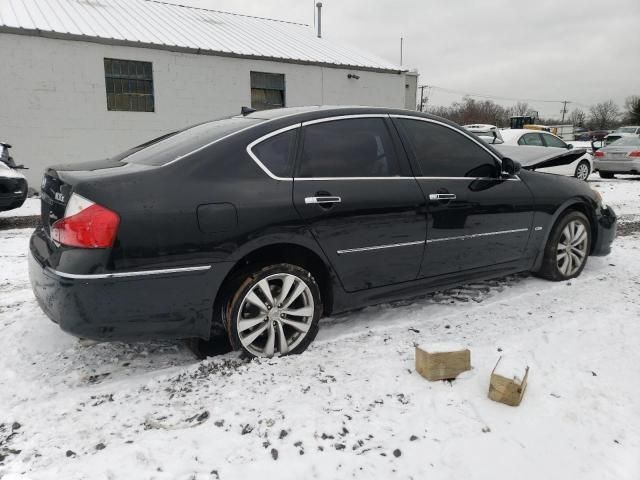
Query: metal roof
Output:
(154,24)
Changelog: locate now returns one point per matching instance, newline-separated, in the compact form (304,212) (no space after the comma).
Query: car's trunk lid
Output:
(60,181)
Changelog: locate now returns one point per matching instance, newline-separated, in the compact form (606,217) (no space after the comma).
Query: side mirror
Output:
(510,167)
(593,146)
(569,146)
(21,167)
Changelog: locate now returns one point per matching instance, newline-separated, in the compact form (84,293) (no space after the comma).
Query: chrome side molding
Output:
(142,273)
(379,247)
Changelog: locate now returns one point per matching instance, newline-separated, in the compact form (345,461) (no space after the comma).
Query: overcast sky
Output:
(577,50)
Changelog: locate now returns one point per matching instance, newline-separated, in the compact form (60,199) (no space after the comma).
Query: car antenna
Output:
(244,111)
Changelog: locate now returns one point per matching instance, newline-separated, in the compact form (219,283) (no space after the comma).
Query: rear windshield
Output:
(626,142)
(171,146)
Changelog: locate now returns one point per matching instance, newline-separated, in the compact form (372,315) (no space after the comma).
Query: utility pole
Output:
(564,110)
(424,100)
(422,87)
(401,42)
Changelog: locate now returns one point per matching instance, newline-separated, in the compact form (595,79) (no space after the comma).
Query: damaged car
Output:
(13,185)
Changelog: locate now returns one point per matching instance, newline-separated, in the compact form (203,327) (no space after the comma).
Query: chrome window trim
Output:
(345,117)
(379,247)
(477,235)
(142,273)
(249,149)
(255,158)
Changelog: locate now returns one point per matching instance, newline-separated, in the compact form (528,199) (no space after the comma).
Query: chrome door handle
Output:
(442,196)
(317,200)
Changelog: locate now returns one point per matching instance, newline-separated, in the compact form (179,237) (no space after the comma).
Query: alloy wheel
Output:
(572,247)
(582,171)
(275,315)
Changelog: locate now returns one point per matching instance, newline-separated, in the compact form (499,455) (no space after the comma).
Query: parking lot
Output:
(352,403)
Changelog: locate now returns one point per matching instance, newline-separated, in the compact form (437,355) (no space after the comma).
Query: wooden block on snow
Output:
(442,362)
(508,382)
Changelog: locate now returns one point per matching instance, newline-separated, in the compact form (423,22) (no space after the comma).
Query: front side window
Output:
(442,152)
(276,153)
(552,141)
(531,139)
(129,85)
(267,90)
(360,147)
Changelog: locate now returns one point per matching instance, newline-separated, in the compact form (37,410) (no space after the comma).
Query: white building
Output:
(85,79)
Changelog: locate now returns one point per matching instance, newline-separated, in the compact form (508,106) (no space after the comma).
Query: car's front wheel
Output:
(567,248)
(274,311)
(583,170)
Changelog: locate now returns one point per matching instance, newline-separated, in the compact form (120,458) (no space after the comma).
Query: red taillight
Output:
(599,154)
(635,153)
(89,226)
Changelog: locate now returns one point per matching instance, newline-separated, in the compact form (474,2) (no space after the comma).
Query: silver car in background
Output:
(622,156)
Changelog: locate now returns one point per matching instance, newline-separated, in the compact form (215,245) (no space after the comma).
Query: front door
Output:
(477,219)
(354,189)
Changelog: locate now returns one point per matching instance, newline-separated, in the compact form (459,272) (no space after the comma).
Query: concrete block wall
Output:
(53,106)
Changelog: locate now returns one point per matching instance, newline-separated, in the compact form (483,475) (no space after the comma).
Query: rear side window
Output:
(443,152)
(359,147)
(276,153)
(552,141)
(531,139)
(186,141)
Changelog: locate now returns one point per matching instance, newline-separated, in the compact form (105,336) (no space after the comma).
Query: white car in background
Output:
(618,133)
(580,168)
(488,133)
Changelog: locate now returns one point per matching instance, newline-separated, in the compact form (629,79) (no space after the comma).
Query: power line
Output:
(496,97)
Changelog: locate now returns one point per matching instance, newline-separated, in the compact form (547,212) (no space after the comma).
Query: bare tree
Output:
(604,114)
(473,111)
(632,106)
(520,108)
(577,117)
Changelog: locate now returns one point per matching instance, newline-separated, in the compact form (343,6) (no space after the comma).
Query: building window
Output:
(267,90)
(129,85)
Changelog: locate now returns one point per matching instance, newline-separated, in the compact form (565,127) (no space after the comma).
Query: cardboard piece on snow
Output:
(442,362)
(508,382)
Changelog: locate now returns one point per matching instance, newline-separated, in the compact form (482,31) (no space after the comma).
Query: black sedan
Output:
(258,225)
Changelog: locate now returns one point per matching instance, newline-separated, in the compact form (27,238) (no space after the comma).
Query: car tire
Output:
(273,311)
(583,169)
(607,174)
(567,250)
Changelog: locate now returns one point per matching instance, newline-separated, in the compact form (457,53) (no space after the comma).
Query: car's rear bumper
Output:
(617,166)
(170,303)
(13,192)
(606,231)
(13,200)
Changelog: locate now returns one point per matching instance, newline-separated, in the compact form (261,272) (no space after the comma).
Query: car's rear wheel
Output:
(583,170)
(607,174)
(274,311)
(567,248)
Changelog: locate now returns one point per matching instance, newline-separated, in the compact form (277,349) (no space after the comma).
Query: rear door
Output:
(354,188)
(477,219)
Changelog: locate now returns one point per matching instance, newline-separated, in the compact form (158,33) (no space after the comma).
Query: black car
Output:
(13,185)
(260,224)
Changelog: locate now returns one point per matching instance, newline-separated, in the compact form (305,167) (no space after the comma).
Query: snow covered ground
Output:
(622,193)
(352,406)
(31,206)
